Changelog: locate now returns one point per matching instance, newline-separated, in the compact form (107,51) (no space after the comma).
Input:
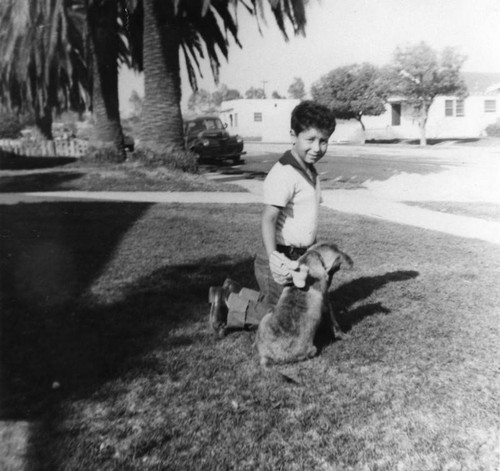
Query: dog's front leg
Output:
(336,330)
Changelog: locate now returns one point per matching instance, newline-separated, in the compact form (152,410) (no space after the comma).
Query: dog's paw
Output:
(340,335)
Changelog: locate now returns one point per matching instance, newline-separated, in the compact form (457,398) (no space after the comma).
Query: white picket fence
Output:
(56,148)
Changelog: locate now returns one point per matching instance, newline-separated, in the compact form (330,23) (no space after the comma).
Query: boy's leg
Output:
(236,307)
(232,306)
(245,309)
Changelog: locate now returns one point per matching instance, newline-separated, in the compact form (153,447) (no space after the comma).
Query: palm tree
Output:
(191,27)
(60,54)
(37,69)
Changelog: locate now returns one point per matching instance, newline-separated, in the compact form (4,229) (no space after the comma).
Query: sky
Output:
(342,32)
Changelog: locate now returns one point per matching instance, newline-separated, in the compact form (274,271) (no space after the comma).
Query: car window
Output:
(195,126)
(204,125)
(213,124)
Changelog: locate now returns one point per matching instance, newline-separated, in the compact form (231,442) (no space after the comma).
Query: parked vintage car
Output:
(207,137)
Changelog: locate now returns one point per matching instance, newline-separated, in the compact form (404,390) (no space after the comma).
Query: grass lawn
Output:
(32,174)
(108,301)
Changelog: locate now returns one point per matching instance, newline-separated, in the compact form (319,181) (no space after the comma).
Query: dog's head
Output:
(322,261)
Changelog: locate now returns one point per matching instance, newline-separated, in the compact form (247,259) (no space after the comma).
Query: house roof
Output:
(481,82)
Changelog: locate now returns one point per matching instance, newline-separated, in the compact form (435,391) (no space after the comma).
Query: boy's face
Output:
(310,145)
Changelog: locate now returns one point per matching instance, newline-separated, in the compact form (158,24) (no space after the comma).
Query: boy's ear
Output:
(294,136)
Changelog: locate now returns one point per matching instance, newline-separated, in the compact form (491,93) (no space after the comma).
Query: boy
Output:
(289,223)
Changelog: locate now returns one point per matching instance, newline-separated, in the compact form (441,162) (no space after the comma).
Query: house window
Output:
(448,107)
(257,117)
(454,108)
(490,106)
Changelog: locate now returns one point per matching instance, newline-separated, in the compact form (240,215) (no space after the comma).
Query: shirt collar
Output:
(288,159)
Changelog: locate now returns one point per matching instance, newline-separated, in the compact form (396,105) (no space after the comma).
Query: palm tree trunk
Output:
(43,121)
(104,53)
(161,128)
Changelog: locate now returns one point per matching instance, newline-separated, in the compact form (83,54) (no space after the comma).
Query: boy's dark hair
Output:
(309,114)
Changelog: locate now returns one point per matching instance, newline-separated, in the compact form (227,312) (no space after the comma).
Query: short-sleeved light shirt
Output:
(289,187)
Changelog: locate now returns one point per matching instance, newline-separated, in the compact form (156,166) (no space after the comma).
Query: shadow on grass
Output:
(49,255)
(57,341)
(37,182)
(10,161)
(53,330)
(350,293)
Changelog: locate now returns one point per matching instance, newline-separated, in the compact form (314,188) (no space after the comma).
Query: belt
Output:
(293,253)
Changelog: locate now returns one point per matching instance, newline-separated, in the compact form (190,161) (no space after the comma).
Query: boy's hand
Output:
(281,268)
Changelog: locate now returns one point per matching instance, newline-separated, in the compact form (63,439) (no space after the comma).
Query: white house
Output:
(259,119)
(449,117)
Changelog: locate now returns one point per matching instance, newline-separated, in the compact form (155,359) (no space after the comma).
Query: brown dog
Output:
(286,335)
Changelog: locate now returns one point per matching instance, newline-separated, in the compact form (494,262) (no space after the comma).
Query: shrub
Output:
(11,124)
(186,161)
(493,130)
(105,153)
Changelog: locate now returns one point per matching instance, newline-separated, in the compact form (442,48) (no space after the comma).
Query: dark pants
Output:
(248,307)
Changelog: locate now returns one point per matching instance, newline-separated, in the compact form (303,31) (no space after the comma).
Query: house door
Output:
(396,114)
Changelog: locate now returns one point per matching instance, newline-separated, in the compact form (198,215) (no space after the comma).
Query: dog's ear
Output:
(332,257)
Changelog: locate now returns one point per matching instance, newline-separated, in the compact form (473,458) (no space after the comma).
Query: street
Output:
(350,166)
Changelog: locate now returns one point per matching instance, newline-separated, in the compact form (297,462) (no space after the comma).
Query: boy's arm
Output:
(268,224)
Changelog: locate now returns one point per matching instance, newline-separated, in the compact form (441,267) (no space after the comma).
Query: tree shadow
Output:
(346,295)
(11,161)
(49,256)
(58,340)
(37,182)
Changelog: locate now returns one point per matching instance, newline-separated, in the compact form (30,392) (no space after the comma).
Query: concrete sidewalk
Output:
(133,196)
(366,203)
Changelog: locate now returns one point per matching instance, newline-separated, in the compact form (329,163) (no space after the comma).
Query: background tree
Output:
(352,91)
(135,104)
(223,93)
(419,74)
(201,102)
(204,102)
(255,93)
(276,95)
(297,89)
